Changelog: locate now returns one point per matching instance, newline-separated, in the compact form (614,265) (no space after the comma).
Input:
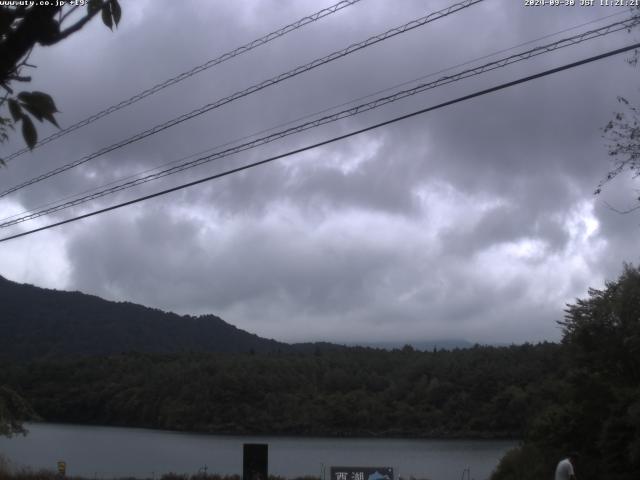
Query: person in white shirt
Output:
(565,469)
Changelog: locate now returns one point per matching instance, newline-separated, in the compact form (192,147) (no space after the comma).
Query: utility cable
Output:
(255,88)
(311,115)
(332,140)
(190,73)
(350,112)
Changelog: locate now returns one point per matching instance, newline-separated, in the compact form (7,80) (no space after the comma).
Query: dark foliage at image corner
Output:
(597,411)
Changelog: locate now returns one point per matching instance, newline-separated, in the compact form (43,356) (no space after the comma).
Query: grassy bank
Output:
(9,473)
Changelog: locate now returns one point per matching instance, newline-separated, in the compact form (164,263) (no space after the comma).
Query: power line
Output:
(617,26)
(332,140)
(350,112)
(194,71)
(311,115)
(255,88)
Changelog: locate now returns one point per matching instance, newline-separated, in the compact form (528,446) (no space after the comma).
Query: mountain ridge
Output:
(39,323)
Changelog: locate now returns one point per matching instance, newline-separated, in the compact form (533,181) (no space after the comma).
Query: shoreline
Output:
(338,435)
(107,452)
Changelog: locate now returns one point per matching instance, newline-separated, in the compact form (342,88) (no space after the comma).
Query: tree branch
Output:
(79,24)
(63,17)
(37,26)
(19,78)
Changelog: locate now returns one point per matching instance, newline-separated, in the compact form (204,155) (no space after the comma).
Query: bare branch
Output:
(19,78)
(69,12)
(79,24)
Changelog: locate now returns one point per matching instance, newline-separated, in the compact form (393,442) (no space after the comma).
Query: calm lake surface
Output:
(109,452)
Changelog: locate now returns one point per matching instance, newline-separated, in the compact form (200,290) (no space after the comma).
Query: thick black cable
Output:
(350,112)
(254,88)
(190,73)
(332,140)
(310,115)
(304,117)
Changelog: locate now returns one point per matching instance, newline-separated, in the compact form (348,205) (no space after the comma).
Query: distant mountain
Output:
(426,345)
(42,323)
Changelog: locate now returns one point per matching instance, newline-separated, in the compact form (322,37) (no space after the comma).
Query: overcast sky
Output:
(476,221)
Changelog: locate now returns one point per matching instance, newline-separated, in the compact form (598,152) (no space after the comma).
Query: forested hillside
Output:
(42,323)
(595,408)
(477,392)
(582,394)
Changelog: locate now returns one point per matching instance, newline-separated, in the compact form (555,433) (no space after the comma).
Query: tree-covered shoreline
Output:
(597,412)
(481,392)
(580,395)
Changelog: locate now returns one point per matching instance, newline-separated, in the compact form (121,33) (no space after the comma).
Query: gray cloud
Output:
(475,221)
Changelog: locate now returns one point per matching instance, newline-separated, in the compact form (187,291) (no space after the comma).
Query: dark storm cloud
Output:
(476,221)
(249,261)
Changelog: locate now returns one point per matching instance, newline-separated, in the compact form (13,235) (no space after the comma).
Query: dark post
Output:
(255,461)
(62,469)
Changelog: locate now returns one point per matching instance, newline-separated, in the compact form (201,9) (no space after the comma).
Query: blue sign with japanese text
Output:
(361,473)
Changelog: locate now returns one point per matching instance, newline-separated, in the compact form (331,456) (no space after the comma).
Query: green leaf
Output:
(106,15)
(40,105)
(41,100)
(51,119)
(33,111)
(15,110)
(40,115)
(29,132)
(116,11)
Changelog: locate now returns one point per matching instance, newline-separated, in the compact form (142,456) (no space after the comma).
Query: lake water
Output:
(109,452)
